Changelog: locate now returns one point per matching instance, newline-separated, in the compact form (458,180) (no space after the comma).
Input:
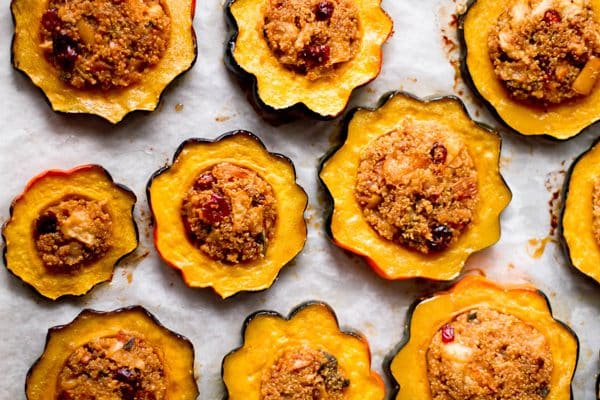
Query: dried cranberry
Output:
(441,236)
(128,376)
(51,20)
(47,223)
(324,10)
(447,333)
(215,209)
(315,54)
(552,17)
(205,181)
(438,153)
(64,49)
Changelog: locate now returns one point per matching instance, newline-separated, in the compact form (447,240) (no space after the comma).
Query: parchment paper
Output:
(417,59)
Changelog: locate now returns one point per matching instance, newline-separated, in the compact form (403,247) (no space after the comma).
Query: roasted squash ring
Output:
(279,90)
(349,229)
(111,105)
(408,367)
(581,248)
(314,324)
(89,181)
(560,122)
(175,351)
(167,188)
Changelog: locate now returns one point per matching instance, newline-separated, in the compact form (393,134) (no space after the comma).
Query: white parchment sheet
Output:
(416,59)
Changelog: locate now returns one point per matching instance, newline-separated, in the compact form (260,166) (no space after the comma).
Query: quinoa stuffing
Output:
(123,367)
(303,373)
(540,50)
(417,186)
(596,211)
(104,44)
(312,37)
(72,233)
(484,354)
(230,213)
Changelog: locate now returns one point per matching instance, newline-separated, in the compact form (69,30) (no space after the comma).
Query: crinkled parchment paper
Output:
(206,102)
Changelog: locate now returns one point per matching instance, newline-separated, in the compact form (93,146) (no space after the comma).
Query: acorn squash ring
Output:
(165,191)
(89,181)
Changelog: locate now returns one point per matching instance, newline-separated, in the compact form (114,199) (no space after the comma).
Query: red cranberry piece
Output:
(447,333)
(64,49)
(51,20)
(441,236)
(324,10)
(438,153)
(127,375)
(215,209)
(47,223)
(205,181)
(552,17)
(315,54)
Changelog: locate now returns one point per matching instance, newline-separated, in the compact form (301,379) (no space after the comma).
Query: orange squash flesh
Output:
(279,90)
(112,105)
(408,366)
(175,351)
(88,181)
(349,229)
(313,324)
(167,188)
(561,121)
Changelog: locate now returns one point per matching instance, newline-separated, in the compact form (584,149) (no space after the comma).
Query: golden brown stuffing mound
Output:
(230,213)
(596,211)
(417,186)
(123,367)
(312,37)
(104,43)
(487,355)
(540,47)
(72,233)
(303,373)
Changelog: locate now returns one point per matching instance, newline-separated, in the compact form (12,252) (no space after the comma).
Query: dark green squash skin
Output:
(387,363)
(563,202)
(88,311)
(137,239)
(295,311)
(466,75)
(344,136)
(248,81)
(225,135)
(127,116)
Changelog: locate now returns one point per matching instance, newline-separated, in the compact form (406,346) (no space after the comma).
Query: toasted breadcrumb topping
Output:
(488,355)
(303,373)
(540,47)
(104,44)
(230,213)
(312,37)
(123,367)
(72,233)
(417,186)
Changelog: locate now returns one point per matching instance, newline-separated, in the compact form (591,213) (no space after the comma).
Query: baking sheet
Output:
(420,58)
